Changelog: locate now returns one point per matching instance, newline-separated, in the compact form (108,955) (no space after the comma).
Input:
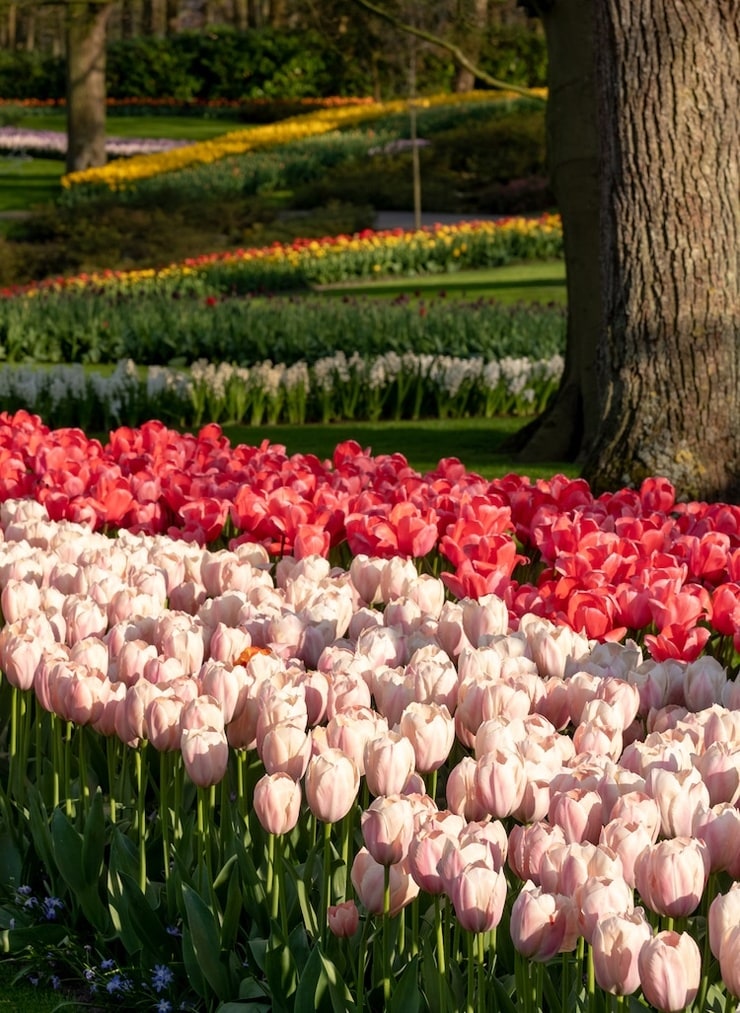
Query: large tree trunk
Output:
(667,364)
(566,429)
(86,24)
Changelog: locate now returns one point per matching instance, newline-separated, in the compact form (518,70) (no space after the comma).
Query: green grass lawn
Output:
(28,181)
(527,282)
(475,442)
(190,128)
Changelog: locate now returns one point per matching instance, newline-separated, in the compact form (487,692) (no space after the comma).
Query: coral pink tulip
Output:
(344,919)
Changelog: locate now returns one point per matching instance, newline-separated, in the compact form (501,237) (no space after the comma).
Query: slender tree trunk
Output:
(568,425)
(241,15)
(86,24)
(475,30)
(11,29)
(667,364)
(155,17)
(172,9)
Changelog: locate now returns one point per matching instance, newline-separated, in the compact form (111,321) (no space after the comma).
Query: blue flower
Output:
(174,930)
(56,981)
(107,965)
(115,984)
(163,1006)
(89,974)
(50,907)
(162,976)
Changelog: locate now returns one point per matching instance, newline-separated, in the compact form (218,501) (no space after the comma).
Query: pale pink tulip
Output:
(461,792)
(162,722)
(579,812)
(478,896)
(671,875)
(724,916)
(205,753)
(367,877)
(669,966)
(719,828)
(389,763)
(729,961)
(427,846)
(527,845)
(331,785)
(627,840)
(599,897)
(431,731)
(616,943)
(538,923)
(680,795)
(388,828)
(277,802)
(500,781)
(286,749)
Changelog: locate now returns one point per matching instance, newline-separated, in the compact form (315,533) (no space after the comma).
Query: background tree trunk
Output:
(475,27)
(86,23)
(567,427)
(667,364)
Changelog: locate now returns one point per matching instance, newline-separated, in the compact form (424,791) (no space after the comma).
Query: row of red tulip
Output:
(624,562)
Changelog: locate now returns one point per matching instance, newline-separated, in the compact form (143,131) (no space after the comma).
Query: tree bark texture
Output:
(569,424)
(86,30)
(667,363)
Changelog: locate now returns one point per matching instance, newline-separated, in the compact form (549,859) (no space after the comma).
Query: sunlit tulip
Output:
(527,845)
(500,780)
(205,753)
(729,960)
(538,923)
(669,966)
(719,828)
(670,876)
(680,795)
(387,828)
(579,812)
(350,730)
(598,897)
(627,840)
(616,943)
(426,849)
(162,722)
(724,915)
(343,919)
(286,749)
(331,785)
(461,792)
(389,762)
(492,834)
(277,802)
(431,731)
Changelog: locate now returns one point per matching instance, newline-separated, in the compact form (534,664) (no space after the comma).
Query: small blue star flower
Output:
(162,976)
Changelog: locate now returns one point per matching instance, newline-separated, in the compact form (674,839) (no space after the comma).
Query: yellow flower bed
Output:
(117,174)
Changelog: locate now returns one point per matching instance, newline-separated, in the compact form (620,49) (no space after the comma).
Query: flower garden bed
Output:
(339,734)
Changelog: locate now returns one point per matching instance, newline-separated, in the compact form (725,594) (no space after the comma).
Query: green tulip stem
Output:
(110,755)
(386,933)
(141,812)
(470,1006)
(69,807)
(273,882)
(13,744)
(164,811)
(361,960)
(591,981)
(82,769)
(481,947)
(325,886)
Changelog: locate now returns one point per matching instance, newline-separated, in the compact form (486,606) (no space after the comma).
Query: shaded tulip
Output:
(431,731)
(670,876)
(500,781)
(343,919)
(367,877)
(724,915)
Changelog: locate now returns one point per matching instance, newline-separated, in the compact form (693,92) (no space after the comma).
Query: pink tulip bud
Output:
(500,781)
(344,919)
(527,845)
(478,896)
(431,731)
(670,876)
